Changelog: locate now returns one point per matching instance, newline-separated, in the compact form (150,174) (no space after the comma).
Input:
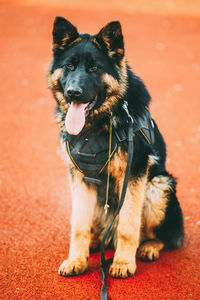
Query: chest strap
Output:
(90,153)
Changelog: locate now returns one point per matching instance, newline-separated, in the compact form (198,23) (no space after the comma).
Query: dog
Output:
(92,83)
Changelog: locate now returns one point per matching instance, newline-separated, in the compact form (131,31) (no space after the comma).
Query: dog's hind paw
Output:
(122,269)
(72,267)
(149,251)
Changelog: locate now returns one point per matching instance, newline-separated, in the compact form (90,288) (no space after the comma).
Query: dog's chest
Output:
(90,152)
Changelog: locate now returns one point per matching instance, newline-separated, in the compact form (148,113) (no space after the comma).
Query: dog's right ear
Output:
(63,33)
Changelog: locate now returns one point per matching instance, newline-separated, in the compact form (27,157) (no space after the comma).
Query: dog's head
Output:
(88,73)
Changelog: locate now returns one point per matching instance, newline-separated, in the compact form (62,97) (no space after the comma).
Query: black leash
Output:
(106,262)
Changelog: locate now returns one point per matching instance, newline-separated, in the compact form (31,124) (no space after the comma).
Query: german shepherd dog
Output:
(91,80)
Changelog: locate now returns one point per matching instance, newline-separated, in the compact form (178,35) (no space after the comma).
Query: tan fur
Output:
(99,224)
(155,204)
(94,41)
(112,83)
(128,229)
(63,153)
(119,51)
(53,79)
(111,53)
(150,250)
(153,159)
(60,121)
(113,94)
(75,41)
(83,204)
(71,267)
(101,220)
(64,40)
(63,43)
(123,74)
(55,46)
(115,91)
(118,167)
(54,85)
(106,40)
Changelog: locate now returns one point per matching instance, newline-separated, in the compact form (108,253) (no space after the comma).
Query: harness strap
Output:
(105,263)
(108,174)
(90,154)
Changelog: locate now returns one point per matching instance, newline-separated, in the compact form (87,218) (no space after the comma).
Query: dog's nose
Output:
(74,92)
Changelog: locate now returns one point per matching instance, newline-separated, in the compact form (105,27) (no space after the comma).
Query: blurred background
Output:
(162,40)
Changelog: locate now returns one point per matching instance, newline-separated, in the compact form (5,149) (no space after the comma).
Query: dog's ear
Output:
(111,38)
(63,33)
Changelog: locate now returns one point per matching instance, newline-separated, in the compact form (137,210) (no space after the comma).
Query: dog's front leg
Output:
(83,203)
(128,230)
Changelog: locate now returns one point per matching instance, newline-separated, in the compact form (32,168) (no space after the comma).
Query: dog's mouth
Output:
(75,117)
(90,106)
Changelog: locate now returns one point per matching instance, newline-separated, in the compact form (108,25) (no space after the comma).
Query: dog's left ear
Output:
(111,38)
(63,33)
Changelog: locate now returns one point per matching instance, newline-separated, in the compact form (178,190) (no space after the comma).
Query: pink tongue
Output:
(75,118)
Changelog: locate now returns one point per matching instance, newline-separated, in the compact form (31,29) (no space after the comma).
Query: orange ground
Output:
(35,202)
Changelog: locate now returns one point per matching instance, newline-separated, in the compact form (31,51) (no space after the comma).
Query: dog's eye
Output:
(93,69)
(70,67)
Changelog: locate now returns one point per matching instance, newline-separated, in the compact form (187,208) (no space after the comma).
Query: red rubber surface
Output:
(35,204)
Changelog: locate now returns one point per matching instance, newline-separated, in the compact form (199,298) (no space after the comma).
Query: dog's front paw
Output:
(72,267)
(122,269)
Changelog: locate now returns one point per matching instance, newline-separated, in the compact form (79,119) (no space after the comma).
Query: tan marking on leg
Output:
(155,204)
(149,251)
(99,224)
(97,227)
(128,229)
(83,204)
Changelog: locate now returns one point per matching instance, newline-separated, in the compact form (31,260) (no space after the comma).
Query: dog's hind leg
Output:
(162,218)
(83,203)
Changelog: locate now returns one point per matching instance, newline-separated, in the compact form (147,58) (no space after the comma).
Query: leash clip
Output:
(106,207)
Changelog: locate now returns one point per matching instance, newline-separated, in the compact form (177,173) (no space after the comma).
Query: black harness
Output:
(90,154)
